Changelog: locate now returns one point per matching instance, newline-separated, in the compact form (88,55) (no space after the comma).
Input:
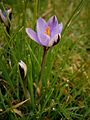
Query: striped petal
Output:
(41,25)
(32,34)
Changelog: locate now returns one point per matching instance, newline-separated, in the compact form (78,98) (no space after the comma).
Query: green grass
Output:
(65,93)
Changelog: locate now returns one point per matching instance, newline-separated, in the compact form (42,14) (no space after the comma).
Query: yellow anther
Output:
(47,31)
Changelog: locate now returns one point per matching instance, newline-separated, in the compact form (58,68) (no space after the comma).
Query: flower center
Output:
(47,31)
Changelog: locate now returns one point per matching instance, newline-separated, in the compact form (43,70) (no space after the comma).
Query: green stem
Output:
(23,86)
(30,82)
(43,64)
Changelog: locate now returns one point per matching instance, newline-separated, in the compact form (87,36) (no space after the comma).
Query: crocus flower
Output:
(23,69)
(4,18)
(47,33)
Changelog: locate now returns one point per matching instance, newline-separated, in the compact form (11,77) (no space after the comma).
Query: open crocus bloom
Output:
(48,33)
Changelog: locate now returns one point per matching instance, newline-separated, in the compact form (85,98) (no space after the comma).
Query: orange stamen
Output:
(47,31)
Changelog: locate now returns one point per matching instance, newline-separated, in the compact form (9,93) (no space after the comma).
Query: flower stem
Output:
(45,49)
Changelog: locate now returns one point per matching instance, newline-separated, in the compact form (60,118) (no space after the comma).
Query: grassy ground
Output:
(65,93)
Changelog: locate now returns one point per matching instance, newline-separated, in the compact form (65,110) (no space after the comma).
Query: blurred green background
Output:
(66,93)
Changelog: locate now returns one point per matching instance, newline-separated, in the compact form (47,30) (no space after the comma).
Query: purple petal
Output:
(52,22)
(56,30)
(41,25)
(43,39)
(32,34)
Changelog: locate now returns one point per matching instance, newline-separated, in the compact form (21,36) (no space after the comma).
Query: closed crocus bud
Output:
(23,69)
(6,20)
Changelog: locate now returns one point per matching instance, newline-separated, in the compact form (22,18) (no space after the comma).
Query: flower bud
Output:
(23,69)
